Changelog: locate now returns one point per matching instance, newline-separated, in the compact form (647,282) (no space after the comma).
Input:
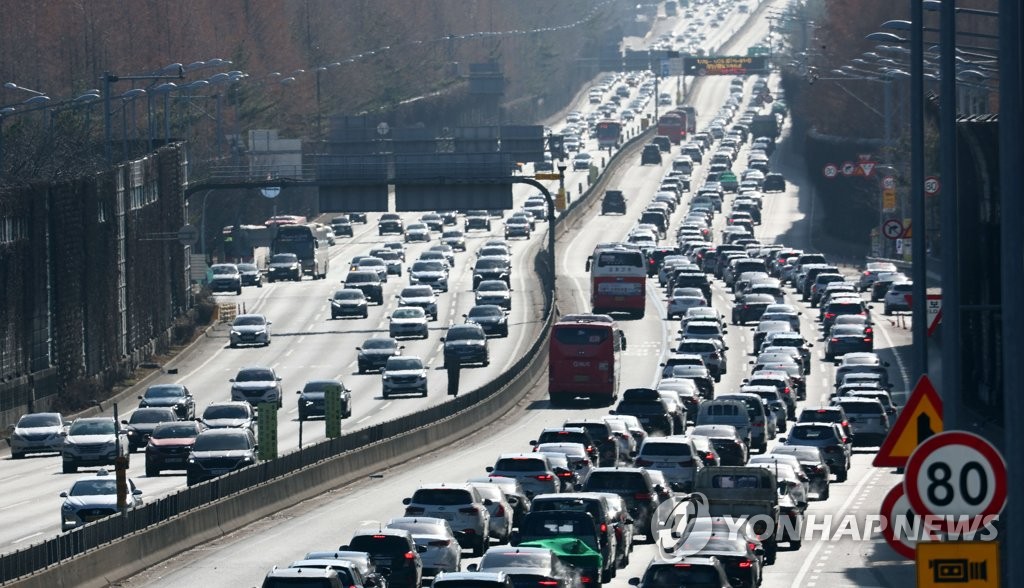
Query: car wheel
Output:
(423,393)
(504,332)
(361,370)
(151,471)
(70,468)
(841,476)
(17,455)
(825,494)
(384,395)
(238,291)
(887,311)
(795,544)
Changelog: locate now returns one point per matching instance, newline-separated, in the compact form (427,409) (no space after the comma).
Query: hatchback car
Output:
(403,374)
(94,497)
(250,329)
(169,446)
(642,489)
(220,451)
(394,550)
(533,471)
(348,302)
(461,506)
(830,439)
(868,420)
(408,321)
(312,398)
(676,457)
(38,432)
(651,154)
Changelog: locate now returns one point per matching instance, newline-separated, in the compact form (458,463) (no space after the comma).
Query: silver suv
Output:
(676,458)
(257,385)
(867,418)
(459,504)
(533,471)
(92,441)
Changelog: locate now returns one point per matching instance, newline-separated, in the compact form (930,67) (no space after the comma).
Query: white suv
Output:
(459,504)
(676,458)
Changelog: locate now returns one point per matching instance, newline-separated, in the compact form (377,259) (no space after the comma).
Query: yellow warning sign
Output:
(889,200)
(921,418)
(964,564)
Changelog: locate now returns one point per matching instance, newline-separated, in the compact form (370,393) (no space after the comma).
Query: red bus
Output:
(584,358)
(673,125)
(618,279)
(609,134)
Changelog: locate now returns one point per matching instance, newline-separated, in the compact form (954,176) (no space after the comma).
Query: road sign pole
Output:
(918,247)
(952,382)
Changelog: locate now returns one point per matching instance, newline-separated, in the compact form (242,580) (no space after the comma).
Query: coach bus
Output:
(618,280)
(308,243)
(584,358)
(673,126)
(609,134)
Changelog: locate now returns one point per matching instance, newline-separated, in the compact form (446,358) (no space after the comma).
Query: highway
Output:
(243,557)
(307,345)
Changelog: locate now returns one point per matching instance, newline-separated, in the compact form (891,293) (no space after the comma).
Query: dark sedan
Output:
(491,317)
(142,422)
(374,353)
(750,308)
(251,275)
(175,396)
(847,339)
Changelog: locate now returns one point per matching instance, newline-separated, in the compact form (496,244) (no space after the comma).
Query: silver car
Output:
(408,321)
(250,329)
(500,509)
(39,432)
(442,550)
(675,456)
(867,418)
(403,374)
(94,441)
(533,471)
(458,504)
(93,498)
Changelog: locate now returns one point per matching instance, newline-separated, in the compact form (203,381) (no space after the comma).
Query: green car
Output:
(728,181)
(572,551)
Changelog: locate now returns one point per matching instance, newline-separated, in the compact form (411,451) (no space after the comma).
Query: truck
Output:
(743,492)
(690,113)
(765,125)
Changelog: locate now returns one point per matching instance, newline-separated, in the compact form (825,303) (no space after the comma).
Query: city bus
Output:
(673,126)
(308,243)
(584,358)
(618,280)
(609,134)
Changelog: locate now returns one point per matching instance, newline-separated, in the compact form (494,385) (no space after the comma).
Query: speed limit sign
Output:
(958,474)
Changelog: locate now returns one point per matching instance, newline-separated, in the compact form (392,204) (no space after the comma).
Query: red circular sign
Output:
(932,185)
(895,504)
(956,474)
(830,170)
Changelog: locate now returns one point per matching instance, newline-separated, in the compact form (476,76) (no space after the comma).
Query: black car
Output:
(774,182)
(656,256)
(175,396)
(142,422)
(251,275)
(602,434)
(651,154)
(613,201)
(367,281)
(491,268)
(664,143)
(169,446)
(492,319)
(342,226)
(312,398)
(649,408)
(357,218)
(390,224)
(641,491)
(374,353)
(284,266)
(465,344)
(393,549)
(750,308)
(348,302)
(845,339)
(220,451)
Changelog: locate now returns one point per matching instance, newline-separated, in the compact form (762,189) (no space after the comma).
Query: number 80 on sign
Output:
(956,474)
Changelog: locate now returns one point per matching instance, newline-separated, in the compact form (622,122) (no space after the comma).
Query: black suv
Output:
(641,491)
(390,224)
(341,225)
(649,408)
(367,281)
(650,154)
(175,396)
(491,268)
(220,451)
(542,525)
(601,433)
(393,549)
(613,201)
(465,344)
(750,308)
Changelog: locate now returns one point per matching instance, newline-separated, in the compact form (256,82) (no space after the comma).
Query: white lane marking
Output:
(26,537)
(385,405)
(15,504)
(365,418)
(289,352)
(798,581)
(899,361)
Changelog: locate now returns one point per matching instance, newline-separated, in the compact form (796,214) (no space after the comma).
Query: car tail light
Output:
(822,411)
(380,536)
(867,339)
(500,511)
(586,579)
(641,463)
(641,496)
(682,565)
(544,477)
(565,475)
(410,555)
(786,390)
(414,510)
(752,545)
(830,315)
(604,528)
(547,583)
(835,340)
(709,456)
(469,510)
(441,543)
(746,564)
(759,425)
(867,273)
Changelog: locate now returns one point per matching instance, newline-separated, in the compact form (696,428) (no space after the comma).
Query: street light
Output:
(13,86)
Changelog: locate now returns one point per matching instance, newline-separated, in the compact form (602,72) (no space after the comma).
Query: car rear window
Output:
(380,544)
(442,496)
(615,481)
(520,464)
(813,433)
(663,575)
(672,449)
(865,407)
(820,416)
(596,430)
(697,347)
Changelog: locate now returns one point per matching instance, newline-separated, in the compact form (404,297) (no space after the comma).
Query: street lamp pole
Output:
(918,247)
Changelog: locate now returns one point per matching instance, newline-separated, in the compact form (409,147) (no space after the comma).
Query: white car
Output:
(417,232)
(675,456)
(442,550)
(896,297)
(532,470)
(408,321)
(680,302)
(403,374)
(500,509)
(575,453)
(92,498)
(461,506)
(250,329)
(93,441)
(39,432)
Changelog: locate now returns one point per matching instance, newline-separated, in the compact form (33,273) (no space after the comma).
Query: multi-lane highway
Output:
(308,345)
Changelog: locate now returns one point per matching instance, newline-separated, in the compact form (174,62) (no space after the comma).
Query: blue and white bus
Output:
(308,243)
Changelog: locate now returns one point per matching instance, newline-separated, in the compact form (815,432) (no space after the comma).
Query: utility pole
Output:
(918,247)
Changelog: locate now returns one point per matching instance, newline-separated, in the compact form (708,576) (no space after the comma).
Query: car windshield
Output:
(464,334)
(249,321)
(582,335)
(388,545)
(492,286)
(379,344)
(284,258)
(427,266)
(515,559)
(404,363)
(176,431)
(702,330)
(862,407)
(417,227)
(247,267)
(417,292)
(94,487)
(223,270)
(225,412)
(221,442)
(104,427)
(520,464)
(452,235)
(672,449)
(408,313)
(697,347)
(485,312)
(490,264)
(371,262)
(349,295)
(151,416)
(30,421)
(255,375)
